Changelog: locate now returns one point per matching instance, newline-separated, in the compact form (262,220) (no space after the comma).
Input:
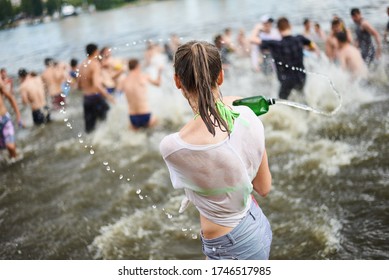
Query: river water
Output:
(108,195)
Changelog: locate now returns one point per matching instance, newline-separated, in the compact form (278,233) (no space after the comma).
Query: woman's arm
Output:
(262,181)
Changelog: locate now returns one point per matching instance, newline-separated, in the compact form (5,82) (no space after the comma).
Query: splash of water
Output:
(307,107)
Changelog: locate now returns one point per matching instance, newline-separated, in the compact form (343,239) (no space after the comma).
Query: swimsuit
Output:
(95,107)
(41,116)
(141,120)
(111,90)
(365,44)
(7,132)
(58,101)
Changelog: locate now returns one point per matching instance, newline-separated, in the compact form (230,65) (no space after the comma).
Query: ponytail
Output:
(198,66)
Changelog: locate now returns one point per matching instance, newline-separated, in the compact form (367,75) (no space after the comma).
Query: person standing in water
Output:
(218,158)
(111,69)
(7,81)
(7,132)
(32,91)
(53,77)
(289,58)
(349,57)
(91,84)
(135,88)
(364,31)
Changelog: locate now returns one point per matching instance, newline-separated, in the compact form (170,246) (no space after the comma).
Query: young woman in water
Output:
(218,158)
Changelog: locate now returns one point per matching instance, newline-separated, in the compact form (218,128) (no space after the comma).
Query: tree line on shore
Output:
(10,13)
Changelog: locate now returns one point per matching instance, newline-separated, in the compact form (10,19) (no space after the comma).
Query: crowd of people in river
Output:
(100,76)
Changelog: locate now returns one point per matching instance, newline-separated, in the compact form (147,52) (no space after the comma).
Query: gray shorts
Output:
(249,240)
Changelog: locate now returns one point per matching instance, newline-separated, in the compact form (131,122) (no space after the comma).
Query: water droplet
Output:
(169,215)
(68,124)
(79,134)
(128,179)
(141,196)
(91,151)
(113,171)
(62,103)
(105,163)
(86,146)
(81,141)
(184,229)
(65,119)
(293,68)
(138,191)
(154,206)
(62,94)
(108,168)
(214,249)
(120,176)
(194,236)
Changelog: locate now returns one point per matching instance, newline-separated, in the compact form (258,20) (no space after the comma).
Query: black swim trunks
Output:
(41,116)
(95,107)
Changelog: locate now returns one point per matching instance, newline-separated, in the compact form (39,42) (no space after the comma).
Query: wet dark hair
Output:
(73,62)
(283,24)
(218,41)
(306,20)
(90,49)
(132,63)
(197,64)
(48,61)
(22,73)
(355,11)
(103,50)
(341,36)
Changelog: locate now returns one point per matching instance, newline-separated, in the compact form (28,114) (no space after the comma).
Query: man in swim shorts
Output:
(135,88)
(95,94)
(7,133)
(32,91)
(111,69)
(54,76)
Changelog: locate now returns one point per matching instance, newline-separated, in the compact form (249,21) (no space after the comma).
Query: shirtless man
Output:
(111,69)
(7,138)
(53,77)
(32,91)
(331,45)
(8,82)
(91,84)
(135,88)
(349,57)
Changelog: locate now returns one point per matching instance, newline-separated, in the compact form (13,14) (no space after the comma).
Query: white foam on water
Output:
(140,235)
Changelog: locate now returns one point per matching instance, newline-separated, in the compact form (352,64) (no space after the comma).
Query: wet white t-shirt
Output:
(217,178)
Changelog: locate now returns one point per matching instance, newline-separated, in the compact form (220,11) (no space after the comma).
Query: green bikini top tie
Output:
(227,114)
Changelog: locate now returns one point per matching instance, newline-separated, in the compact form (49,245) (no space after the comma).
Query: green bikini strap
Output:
(227,114)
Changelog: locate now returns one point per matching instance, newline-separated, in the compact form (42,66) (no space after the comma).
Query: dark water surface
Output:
(108,195)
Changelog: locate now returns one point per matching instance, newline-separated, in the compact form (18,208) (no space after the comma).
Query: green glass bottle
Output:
(259,104)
